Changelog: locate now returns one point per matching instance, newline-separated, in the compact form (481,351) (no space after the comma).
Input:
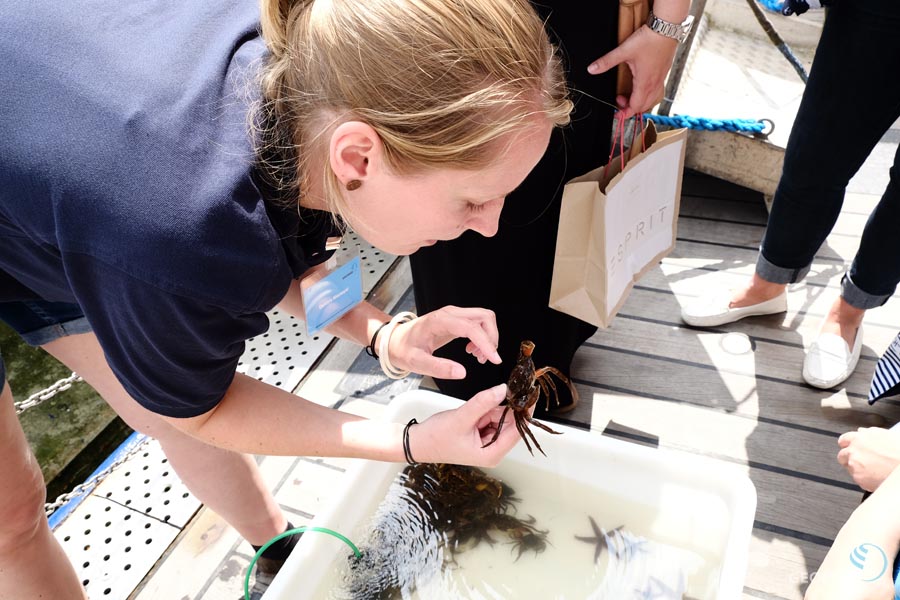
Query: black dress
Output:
(510,273)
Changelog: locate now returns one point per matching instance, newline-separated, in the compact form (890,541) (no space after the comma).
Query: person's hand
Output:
(869,454)
(649,55)
(457,436)
(412,343)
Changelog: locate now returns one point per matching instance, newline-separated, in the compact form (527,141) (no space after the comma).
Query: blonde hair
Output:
(438,80)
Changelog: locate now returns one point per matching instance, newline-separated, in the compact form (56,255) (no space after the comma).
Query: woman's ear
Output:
(353,151)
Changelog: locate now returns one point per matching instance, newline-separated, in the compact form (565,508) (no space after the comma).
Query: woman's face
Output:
(400,213)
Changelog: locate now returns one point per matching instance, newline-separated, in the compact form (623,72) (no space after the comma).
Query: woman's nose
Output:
(488,221)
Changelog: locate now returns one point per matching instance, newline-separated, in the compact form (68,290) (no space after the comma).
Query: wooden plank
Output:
(196,557)
(742,259)
(791,406)
(723,210)
(694,276)
(837,248)
(707,186)
(722,214)
(651,300)
(793,452)
(780,567)
(862,203)
(738,203)
(688,347)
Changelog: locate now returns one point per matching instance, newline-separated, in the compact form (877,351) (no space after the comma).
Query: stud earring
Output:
(353,184)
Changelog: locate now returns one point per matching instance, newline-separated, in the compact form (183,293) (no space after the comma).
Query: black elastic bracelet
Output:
(370,349)
(407,453)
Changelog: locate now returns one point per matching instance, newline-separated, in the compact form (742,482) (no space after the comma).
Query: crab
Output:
(524,388)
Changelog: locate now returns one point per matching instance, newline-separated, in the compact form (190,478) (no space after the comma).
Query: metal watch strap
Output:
(676,31)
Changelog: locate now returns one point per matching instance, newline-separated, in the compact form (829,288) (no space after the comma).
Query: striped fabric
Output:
(886,381)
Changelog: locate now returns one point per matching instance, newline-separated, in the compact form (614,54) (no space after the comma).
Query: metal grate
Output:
(118,532)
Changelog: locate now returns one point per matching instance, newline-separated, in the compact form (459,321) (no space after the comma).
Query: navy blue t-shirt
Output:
(126,186)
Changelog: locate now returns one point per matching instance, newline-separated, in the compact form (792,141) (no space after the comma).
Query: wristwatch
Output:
(676,31)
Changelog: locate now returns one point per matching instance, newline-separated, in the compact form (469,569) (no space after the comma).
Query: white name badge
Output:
(333,296)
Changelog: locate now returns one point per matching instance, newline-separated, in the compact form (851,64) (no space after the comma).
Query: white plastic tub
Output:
(678,500)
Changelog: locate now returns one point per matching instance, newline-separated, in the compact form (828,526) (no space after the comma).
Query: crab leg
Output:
(544,427)
(523,432)
(552,385)
(545,392)
(524,427)
(543,370)
(499,427)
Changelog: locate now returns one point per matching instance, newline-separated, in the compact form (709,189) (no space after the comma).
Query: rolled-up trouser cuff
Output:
(775,274)
(47,334)
(858,298)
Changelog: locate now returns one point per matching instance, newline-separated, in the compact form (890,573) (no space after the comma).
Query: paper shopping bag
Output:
(615,224)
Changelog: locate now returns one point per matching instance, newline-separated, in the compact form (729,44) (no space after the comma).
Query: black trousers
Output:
(510,273)
(851,100)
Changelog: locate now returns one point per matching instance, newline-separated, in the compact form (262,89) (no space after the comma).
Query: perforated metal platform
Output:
(116,534)
(120,530)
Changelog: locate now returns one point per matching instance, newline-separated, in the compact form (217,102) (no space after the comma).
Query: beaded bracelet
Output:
(383,357)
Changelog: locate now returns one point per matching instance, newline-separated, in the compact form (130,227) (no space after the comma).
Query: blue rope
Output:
(773,5)
(734,125)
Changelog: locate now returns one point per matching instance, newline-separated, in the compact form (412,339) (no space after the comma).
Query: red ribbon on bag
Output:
(620,137)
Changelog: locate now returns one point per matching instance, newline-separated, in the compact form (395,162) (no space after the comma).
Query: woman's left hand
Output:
(649,55)
(412,344)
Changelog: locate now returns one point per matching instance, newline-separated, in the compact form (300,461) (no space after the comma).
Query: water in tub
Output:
(557,538)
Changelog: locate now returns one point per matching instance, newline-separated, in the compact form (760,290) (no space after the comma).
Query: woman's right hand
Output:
(412,344)
(457,436)
(869,454)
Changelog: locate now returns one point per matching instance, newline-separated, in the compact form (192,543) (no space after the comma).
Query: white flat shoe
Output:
(713,310)
(830,361)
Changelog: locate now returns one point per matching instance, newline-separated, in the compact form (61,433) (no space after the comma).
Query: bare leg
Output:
(756,291)
(228,482)
(843,319)
(32,563)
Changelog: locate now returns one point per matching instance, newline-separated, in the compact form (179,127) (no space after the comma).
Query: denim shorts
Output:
(39,322)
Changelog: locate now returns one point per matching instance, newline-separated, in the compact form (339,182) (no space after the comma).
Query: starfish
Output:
(599,538)
(631,546)
(656,589)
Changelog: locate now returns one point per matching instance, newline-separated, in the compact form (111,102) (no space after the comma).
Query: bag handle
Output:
(619,136)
